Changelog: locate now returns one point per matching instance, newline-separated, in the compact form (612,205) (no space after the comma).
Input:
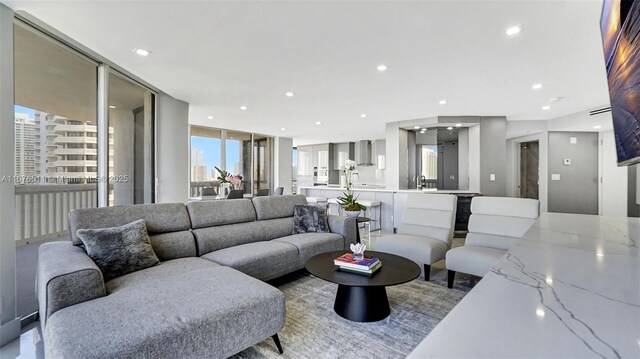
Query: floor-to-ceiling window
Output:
(206,158)
(237,153)
(58,134)
(55,146)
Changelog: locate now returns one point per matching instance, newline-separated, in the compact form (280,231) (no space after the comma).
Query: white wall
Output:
(172,150)
(613,179)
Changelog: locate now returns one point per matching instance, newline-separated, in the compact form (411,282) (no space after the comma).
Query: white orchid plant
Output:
(349,201)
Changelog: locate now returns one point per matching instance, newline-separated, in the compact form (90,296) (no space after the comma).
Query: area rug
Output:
(314,330)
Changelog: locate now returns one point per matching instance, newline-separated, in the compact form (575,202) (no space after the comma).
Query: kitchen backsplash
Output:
(369,175)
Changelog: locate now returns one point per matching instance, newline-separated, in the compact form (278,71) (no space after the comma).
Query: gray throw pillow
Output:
(308,218)
(119,250)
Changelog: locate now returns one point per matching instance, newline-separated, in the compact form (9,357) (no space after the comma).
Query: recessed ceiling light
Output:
(289,94)
(600,254)
(382,68)
(112,106)
(450,128)
(363,115)
(142,52)
(458,125)
(513,30)
(597,127)
(540,312)
(210,117)
(546,108)
(536,86)
(243,108)
(416,127)
(555,99)
(318,123)
(443,102)
(283,129)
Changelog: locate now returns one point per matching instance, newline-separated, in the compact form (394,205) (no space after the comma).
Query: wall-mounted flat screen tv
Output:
(620,25)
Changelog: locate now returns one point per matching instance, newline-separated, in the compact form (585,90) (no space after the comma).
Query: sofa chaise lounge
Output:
(206,298)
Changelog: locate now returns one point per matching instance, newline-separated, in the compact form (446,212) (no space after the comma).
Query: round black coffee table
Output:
(361,298)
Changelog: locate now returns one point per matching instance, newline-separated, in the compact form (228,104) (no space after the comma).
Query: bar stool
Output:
(373,204)
(318,201)
(333,201)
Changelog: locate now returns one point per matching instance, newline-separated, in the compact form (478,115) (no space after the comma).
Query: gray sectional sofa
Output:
(206,298)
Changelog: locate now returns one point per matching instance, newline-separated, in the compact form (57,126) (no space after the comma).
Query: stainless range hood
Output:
(363,153)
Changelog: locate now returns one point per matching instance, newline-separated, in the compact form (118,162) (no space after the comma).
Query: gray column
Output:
(282,163)
(493,156)
(9,324)
(172,149)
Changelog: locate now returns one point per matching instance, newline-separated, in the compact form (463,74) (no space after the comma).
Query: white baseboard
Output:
(9,331)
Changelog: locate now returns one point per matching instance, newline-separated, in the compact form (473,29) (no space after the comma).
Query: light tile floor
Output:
(28,346)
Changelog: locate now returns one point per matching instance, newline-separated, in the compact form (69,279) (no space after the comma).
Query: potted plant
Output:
(349,202)
(350,205)
(226,179)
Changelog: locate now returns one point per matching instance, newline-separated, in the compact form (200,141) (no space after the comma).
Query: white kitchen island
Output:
(392,200)
(569,289)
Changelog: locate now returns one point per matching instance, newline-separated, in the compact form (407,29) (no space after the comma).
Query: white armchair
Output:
(426,231)
(496,224)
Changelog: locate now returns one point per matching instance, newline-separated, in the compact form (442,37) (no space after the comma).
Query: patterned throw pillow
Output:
(308,218)
(119,250)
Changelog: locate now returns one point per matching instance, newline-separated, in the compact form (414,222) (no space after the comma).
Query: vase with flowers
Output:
(227,180)
(349,201)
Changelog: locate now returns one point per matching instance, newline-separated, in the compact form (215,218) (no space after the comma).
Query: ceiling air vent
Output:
(599,111)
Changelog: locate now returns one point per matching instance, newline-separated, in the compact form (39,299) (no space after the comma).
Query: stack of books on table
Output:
(367,266)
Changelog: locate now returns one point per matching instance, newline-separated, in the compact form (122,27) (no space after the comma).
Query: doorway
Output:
(529,165)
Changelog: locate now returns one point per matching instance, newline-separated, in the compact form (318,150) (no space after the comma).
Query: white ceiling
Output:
(220,55)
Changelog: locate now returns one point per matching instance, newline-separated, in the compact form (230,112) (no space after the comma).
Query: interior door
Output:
(529,166)
(613,179)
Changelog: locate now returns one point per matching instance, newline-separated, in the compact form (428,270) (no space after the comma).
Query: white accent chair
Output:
(495,225)
(426,232)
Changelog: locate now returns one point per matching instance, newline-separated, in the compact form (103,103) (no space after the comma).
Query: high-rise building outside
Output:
(198,168)
(25,140)
(56,149)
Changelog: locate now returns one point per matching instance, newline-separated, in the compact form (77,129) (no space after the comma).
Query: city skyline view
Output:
(211,154)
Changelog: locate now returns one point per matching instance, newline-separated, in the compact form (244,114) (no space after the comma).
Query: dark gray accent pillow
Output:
(119,250)
(308,218)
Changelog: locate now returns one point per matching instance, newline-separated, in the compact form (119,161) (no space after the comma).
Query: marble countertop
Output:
(376,189)
(569,288)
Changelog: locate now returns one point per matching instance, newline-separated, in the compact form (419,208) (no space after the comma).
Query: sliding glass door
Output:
(61,142)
